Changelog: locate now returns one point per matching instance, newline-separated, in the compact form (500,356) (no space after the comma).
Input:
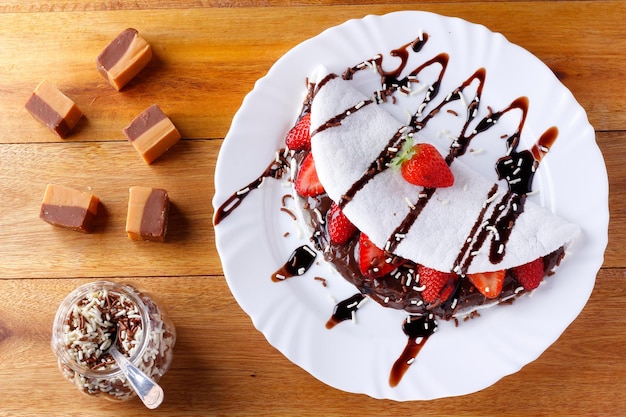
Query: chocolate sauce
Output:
(380,164)
(418,329)
(390,79)
(423,198)
(498,227)
(519,167)
(462,142)
(344,310)
(545,142)
(479,221)
(504,226)
(298,263)
(336,121)
(274,170)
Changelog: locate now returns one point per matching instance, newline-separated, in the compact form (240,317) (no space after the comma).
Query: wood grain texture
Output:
(223,366)
(216,78)
(88,5)
(208,55)
(108,170)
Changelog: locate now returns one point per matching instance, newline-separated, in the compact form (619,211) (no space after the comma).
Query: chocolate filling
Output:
(39,108)
(144,122)
(70,217)
(112,54)
(154,217)
(399,289)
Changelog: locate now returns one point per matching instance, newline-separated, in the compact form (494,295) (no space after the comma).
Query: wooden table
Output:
(208,54)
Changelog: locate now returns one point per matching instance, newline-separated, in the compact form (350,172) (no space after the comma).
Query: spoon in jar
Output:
(147,390)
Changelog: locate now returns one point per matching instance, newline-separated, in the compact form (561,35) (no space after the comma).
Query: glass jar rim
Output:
(58,341)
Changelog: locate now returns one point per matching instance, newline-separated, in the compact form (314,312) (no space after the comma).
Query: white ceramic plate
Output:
(358,356)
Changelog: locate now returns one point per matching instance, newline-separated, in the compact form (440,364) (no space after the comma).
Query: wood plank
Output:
(29,6)
(186,171)
(108,169)
(612,147)
(192,56)
(223,366)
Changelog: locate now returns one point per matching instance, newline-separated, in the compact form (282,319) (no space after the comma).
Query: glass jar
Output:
(84,328)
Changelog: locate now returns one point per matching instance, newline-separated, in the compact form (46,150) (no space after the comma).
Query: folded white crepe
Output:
(342,155)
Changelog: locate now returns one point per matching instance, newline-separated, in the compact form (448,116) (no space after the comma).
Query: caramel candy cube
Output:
(53,109)
(124,58)
(69,208)
(148,210)
(152,133)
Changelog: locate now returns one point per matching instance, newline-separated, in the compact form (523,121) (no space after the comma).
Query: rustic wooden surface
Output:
(208,54)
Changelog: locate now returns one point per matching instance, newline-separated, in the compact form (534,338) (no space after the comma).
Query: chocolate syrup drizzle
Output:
(335,121)
(418,329)
(493,225)
(345,309)
(377,166)
(275,170)
(298,263)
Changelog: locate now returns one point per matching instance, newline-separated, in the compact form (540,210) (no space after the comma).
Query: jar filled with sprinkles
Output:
(84,329)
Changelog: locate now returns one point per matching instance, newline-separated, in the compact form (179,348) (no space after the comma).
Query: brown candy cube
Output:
(148,210)
(69,208)
(152,133)
(53,109)
(124,58)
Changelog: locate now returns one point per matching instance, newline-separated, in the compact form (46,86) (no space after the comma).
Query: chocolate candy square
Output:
(152,133)
(53,109)
(124,58)
(148,210)
(69,208)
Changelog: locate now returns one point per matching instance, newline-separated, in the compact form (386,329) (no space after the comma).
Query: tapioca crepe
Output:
(457,228)
(439,250)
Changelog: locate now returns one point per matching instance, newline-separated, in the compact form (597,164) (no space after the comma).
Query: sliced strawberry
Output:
(529,274)
(439,285)
(423,165)
(488,283)
(299,137)
(373,260)
(307,183)
(340,229)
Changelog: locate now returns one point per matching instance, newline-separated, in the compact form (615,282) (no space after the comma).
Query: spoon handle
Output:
(147,390)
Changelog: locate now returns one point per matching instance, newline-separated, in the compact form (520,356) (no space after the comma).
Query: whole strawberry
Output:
(299,137)
(439,286)
(529,274)
(423,165)
(340,229)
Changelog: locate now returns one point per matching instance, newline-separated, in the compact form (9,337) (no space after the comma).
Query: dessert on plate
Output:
(446,221)
(392,205)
